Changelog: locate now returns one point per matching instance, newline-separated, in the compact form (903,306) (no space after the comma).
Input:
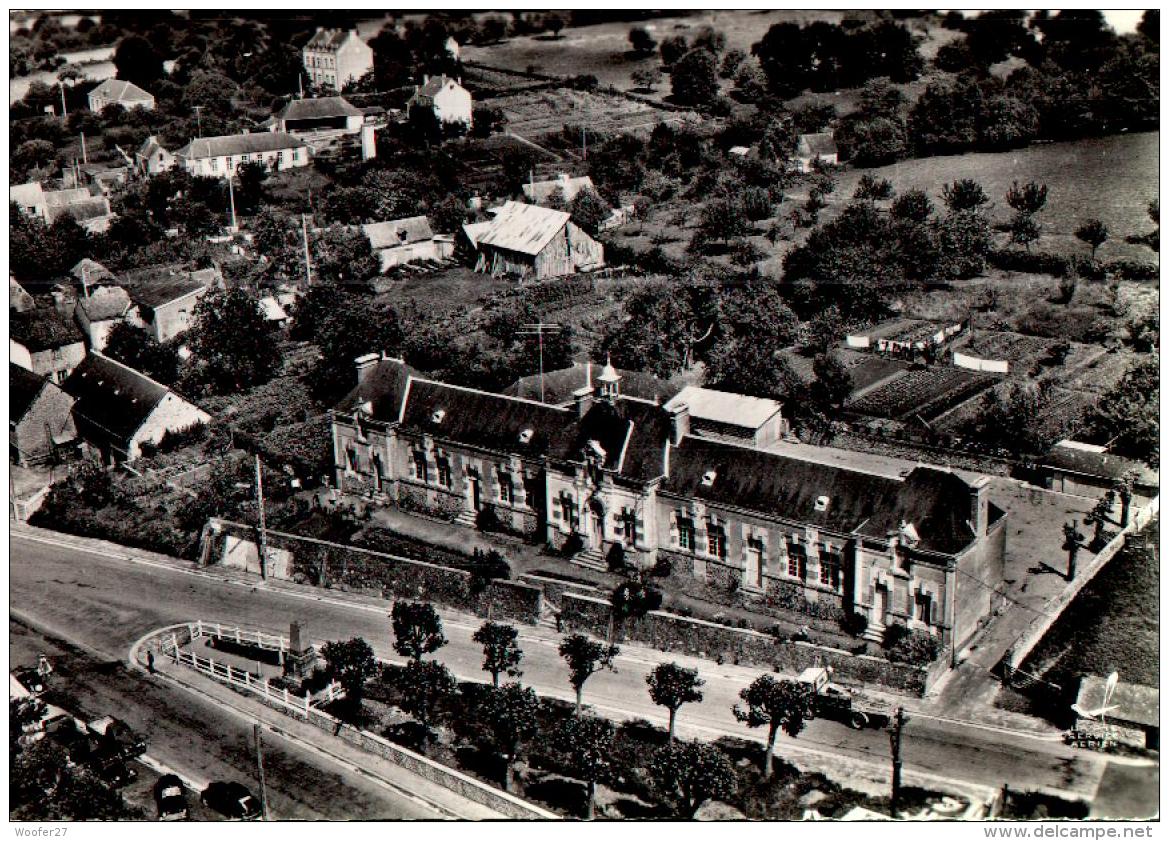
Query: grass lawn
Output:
(455,290)
(1111,178)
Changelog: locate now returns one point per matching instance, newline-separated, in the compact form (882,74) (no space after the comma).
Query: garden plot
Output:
(925,393)
(1103,372)
(536,114)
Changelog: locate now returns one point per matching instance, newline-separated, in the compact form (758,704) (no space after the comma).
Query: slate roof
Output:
(113,400)
(525,228)
(239,144)
(329,39)
(1138,704)
(60,198)
(560,384)
(821,143)
(105,303)
(632,433)
(480,419)
(318,109)
(42,329)
(23,388)
(383,389)
(935,501)
(91,207)
(157,286)
(119,90)
(149,146)
(541,191)
(1100,465)
(725,407)
(398,232)
(433,85)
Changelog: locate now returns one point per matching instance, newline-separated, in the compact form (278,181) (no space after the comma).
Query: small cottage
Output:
(446,97)
(119,92)
(405,240)
(541,192)
(97,313)
(813,148)
(152,157)
(44,343)
(39,419)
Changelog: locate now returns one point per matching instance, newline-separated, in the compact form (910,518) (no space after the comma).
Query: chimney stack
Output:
(979,504)
(365,364)
(582,398)
(679,423)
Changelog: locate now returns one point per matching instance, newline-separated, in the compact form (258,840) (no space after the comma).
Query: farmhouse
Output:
(98,312)
(222,156)
(534,243)
(152,157)
(39,421)
(541,192)
(44,343)
(334,57)
(119,92)
(815,148)
(328,113)
(164,300)
(118,409)
(720,415)
(402,241)
(446,97)
(614,470)
(91,212)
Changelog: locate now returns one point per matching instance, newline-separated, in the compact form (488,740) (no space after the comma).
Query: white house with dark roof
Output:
(165,299)
(98,312)
(326,113)
(446,97)
(540,192)
(335,57)
(609,469)
(118,409)
(812,148)
(119,92)
(221,156)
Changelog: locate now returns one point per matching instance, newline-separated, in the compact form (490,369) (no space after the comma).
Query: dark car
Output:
(30,679)
(231,799)
(63,730)
(113,770)
(171,798)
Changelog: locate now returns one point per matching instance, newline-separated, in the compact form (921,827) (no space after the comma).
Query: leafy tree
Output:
(585,657)
(1029,198)
(417,629)
(732,61)
(1128,413)
(964,194)
(589,211)
(647,78)
(664,328)
(870,188)
(750,82)
(671,686)
(424,685)
(723,219)
(512,717)
(501,651)
(1150,25)
(233,341)
(912,206)
(143,352)
(963,241)
(743,366)
(641,41)
(833,383)
(1099,517)
(688,774)
(351,663)
(588,743)
(554,23)
(1092,233)
(709,38)
(45,786)
(672,49)
(872,141)
(1024,229)
(136,61)
(694,79)
(778,704)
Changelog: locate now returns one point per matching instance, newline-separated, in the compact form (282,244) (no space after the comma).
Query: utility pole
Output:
(308,271)
(198,121)
(64,110)
(260,770)
(263,530)
(84,155)
(231,199)
(84,280)
(584,143)
(538,330)
(895,750)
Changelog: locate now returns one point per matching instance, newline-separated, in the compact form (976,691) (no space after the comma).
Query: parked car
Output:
(113,770)
(67,733)
(231,799)
(116,738)
(171,798)
(30,679)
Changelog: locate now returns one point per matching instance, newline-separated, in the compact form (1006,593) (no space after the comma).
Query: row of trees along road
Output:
(686,773)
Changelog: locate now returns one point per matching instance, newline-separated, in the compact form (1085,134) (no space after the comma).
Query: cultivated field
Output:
(925,393)
(1111,178)
(538,113)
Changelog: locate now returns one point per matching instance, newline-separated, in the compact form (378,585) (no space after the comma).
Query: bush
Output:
(486,567)
(854,624)
(916,647)
(572,546)
(662,568)
(634,599)
(1038,262)
(894,633)
(1090,269)
(487,520)
(615,558)
(1132,269)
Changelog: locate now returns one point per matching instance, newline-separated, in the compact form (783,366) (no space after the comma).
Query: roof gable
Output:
(379,395)
(541,191)
(398,232)
(318,109)
(42,329)
(105,303)
(23,388)
(239,144)
(526,228)
(113,400)
(119,90)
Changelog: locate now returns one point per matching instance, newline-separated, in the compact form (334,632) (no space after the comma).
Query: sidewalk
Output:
(443,801)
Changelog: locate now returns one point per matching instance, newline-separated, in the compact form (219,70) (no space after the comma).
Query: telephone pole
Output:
(263,530)
(260,770)
(895,749)
(538,330)
(231,199)
(64,110)
(308,272)
(198,120)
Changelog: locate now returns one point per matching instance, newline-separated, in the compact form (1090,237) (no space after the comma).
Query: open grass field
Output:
(1111,178)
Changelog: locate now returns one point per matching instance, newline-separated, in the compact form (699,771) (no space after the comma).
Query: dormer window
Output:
(708,478)
(526,436)
(596,451)
(438,415)
(366,408)
(821,503)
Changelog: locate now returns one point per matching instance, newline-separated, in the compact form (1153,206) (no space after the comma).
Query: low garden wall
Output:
(323,563)
(668,632)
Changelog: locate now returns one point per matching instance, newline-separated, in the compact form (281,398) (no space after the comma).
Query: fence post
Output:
(286,698)
(237,639)
(210,665)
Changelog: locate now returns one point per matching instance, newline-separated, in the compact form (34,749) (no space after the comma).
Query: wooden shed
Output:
(534,242)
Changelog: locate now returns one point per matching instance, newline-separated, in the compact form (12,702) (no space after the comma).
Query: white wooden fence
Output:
(243,636)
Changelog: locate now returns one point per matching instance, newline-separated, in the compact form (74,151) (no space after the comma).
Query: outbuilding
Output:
(534,242)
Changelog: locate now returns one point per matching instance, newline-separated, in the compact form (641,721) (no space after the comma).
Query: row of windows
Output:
(317,61)
(797,560)
(505,492)
(286,156)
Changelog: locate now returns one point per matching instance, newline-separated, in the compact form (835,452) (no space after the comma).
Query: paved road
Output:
(108,603)
(202,742)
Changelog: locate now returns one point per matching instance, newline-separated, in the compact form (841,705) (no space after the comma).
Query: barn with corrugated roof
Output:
(535,243)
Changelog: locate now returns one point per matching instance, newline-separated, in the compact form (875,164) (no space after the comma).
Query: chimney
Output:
(979,504)
(365,364)
(679,423)
(582,398)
